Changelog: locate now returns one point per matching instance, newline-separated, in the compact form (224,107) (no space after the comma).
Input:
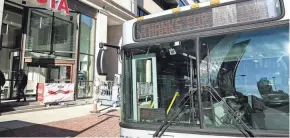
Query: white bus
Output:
(212,69)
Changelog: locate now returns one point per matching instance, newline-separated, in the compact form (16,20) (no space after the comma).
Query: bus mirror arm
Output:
(101,46)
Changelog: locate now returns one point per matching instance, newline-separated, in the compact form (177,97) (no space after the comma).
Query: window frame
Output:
(181,3)
(90,55)
(140,9)
(51,50)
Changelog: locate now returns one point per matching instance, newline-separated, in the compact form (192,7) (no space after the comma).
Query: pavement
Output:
(74,121)
(9,107)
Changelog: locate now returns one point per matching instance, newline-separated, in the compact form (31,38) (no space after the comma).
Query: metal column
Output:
(1,13)
(1,17)
(191,85)
(200,108)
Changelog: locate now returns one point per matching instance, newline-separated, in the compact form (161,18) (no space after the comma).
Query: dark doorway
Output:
(10,47)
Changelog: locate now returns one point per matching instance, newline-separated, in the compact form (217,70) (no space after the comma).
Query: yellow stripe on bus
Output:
(176,10)
(193,6)
(172,101)
(213,2)
(140,18)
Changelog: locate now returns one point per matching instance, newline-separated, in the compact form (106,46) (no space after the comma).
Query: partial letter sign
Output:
(57,5)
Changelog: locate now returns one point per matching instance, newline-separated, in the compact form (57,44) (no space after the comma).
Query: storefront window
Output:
(51,34)
(39,36)
(86,57)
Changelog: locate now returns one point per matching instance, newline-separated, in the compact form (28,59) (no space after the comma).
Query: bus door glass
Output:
(144,83)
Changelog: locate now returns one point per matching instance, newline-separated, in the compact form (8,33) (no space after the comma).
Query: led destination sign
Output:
(210,18)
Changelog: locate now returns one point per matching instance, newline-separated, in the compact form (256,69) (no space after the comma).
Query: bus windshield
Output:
(249,70)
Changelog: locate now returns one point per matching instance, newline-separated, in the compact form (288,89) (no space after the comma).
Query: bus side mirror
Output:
(102,62)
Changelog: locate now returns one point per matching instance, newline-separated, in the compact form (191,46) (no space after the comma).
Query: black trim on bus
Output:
(202,30)
(209,33)
(206,131)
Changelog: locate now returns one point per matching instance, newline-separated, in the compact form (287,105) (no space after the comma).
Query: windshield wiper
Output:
(240,124)
(168,121)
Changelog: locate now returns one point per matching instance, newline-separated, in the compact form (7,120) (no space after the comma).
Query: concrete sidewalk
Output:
(20,120)
(93,125)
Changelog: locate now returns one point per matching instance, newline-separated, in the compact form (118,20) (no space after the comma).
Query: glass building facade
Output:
(51,34)
(49,46)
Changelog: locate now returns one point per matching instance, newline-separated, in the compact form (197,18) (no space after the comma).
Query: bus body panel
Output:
(128,32)
(287,10)
(135,133)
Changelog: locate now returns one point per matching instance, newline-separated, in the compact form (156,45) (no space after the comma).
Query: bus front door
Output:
(145,94)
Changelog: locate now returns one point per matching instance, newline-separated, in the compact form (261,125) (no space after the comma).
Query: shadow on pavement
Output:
(8,106)
(32,130)
(111,115)
(18,128)
(107,118)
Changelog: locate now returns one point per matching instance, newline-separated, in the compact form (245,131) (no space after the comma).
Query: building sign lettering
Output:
(57,5)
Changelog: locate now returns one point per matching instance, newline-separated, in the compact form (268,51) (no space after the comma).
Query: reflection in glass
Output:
(51,35)
(86,57)
(143,80)
(85,89)
(87,36)
(63,37)
(250,72)
(39,37)
(144,83)
(58,74)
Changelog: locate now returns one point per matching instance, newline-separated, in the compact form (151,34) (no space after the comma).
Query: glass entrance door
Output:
(144,83)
